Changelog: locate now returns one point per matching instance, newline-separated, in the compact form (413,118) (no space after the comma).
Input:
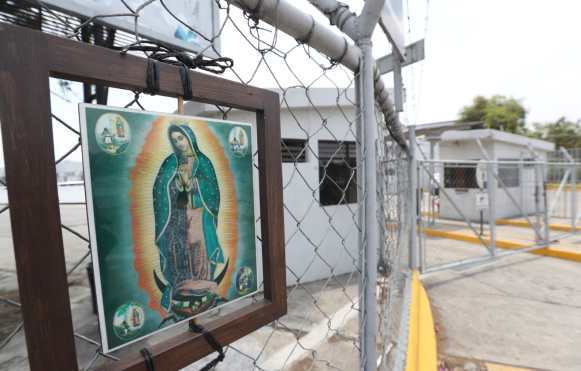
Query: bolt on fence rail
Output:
(339,143)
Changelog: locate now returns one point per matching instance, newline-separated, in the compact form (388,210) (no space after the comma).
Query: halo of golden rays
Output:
(155,149)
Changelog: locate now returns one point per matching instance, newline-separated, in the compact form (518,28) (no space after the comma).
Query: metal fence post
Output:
(491,185)
(522,180)
(420,241)
(360,203)
(537,198)
(413,164)
(573,198)
(573,192)
(546,230)
(370,230)
(432,196)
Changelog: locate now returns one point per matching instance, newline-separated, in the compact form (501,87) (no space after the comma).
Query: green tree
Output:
(498,112)
(563,133)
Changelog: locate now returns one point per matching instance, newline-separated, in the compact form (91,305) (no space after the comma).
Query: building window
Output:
(294,150)
(337,172)
(509,173)
(460,176)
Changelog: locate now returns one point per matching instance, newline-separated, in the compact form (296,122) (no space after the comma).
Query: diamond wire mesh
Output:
(321,213)
(393,185)
(533,202)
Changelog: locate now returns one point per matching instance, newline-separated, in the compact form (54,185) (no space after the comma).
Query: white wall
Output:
(320,241)
(505,207)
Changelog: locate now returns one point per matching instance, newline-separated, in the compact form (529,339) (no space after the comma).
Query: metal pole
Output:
(360,203)
(381,181)
(573,172)
(367,20)
(560,190)
(413,164)
(547,230)
(340,15)
(505,188)
(397,83)
(432,197)
(491,184)
(356,28)
(484,259)
(503,162)
(537,200)
(421,240)
(573,199)
(293,21)
(368,130)
(521,177)
(452,202)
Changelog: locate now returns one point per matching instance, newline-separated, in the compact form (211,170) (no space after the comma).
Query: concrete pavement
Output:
(522,310)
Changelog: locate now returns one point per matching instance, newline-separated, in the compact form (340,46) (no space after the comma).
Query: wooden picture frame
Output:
(27,59)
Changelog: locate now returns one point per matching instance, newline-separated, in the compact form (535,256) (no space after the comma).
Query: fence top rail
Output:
(510,162)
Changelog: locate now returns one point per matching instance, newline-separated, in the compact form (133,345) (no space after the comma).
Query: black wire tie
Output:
(186,82)
(210,339)
(148,359)
(152,77)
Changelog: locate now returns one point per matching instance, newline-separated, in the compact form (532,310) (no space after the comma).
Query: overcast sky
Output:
(529,50)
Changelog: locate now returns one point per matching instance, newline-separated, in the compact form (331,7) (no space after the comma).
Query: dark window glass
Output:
(509,174)
(337,172)
(460,177)
(294,150)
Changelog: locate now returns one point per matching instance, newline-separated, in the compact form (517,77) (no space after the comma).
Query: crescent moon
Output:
(162,286)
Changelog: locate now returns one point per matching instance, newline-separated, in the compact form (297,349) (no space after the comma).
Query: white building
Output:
(319,158)
(460,180)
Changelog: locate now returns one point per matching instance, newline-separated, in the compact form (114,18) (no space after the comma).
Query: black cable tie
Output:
(340,59)
(148,359)
(210,339)
(162,53)
(216,65)
(186,82)
(152,77)
(254,13)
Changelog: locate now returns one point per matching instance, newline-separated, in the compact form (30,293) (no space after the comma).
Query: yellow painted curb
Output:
(567,187)
(422,352)
(427,213)
(525,224)
(505,244)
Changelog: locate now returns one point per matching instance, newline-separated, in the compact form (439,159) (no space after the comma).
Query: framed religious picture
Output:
(170,203)
(138,227)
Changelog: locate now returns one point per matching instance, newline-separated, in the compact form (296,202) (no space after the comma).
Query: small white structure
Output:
(460,180)
(317,129)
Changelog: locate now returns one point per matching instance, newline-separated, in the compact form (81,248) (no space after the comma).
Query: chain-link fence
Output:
(323,158)
(395,211)
(474,211)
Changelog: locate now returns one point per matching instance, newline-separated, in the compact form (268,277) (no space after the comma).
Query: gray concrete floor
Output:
(321,318)
(522,310)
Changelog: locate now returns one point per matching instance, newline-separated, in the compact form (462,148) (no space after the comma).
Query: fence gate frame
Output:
(27,59)
(495,186)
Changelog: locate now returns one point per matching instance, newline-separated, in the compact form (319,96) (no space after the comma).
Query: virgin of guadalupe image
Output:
(186,203)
